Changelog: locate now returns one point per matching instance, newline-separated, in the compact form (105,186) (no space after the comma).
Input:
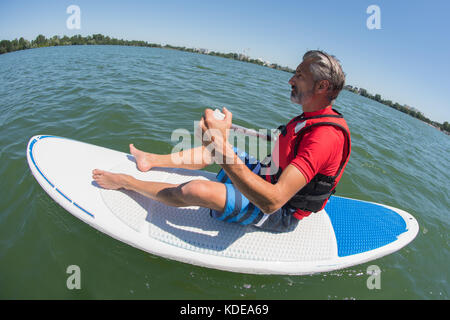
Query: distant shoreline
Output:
(99,39)
(445,127)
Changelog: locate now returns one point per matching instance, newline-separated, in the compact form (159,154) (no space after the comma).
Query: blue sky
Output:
(406,61)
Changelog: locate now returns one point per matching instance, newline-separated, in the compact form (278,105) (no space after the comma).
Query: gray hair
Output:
(326,67)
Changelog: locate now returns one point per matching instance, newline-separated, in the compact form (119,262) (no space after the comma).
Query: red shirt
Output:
(320,151)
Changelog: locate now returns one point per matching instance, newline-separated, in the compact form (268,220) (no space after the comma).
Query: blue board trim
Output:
(362,226)
(79,207)
(35,165)
(46,179)
(59,191)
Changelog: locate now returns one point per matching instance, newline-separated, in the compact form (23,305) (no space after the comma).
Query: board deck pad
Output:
(347,232)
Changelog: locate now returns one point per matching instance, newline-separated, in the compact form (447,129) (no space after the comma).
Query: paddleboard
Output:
(346,233)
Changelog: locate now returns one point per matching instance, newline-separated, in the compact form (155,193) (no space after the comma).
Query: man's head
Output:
(317,80)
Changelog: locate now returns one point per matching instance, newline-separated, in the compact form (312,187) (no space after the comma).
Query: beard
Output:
(299,97)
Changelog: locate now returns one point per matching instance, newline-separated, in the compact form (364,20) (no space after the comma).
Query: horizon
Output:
(374,59)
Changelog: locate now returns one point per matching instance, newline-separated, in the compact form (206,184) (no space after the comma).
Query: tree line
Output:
(99,39)
(445,127)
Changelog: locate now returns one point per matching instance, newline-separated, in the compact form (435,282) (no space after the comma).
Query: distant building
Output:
(242,56)
(264,62)
(411,108)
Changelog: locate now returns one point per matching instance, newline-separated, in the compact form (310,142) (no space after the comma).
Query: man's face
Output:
(302,84)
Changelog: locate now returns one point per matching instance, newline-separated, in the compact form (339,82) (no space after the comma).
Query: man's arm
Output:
(265,195)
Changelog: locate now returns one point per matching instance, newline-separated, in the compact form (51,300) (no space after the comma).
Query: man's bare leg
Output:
(208,194)
(196,158)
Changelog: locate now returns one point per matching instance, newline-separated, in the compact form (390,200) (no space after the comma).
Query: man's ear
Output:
(322,86)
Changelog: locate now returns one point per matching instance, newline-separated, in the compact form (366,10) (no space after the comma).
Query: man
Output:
(310,154)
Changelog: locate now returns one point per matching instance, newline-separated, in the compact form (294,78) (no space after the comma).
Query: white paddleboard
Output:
(346,233)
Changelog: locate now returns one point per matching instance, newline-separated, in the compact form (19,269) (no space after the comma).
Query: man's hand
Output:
(216,132)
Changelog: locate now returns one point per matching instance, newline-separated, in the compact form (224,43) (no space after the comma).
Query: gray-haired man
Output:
(310,155)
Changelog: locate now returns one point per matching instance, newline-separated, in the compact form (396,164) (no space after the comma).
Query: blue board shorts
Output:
(238,209)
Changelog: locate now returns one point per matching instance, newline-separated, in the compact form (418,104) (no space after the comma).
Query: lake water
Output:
(112,96)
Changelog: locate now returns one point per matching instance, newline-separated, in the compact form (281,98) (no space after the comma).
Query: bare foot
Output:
(142,160)
(108,180)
